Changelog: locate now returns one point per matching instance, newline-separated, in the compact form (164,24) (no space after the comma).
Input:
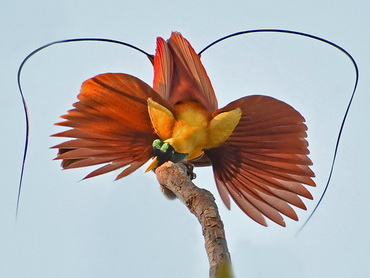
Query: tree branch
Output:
(177,179)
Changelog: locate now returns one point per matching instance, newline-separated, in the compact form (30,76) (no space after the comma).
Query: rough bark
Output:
(177,179)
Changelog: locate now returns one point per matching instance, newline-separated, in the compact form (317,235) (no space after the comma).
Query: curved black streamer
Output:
(349,103)
(202,51)
(25,104)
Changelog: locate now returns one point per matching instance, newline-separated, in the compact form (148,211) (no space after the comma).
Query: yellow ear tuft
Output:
(162,119)
(221,127)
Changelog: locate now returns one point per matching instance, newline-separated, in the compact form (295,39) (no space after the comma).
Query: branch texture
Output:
(176,178)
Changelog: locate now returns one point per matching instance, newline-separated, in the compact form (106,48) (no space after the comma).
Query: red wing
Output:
(110,125)
(179,75)
(264,164)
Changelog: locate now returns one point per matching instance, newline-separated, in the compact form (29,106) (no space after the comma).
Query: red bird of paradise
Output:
(256,144)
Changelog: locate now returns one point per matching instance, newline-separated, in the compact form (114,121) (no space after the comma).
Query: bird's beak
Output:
(152,165)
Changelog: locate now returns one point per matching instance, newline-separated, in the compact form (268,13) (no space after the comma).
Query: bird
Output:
(256,145)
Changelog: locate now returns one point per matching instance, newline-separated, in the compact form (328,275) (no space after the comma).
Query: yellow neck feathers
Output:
(191,129)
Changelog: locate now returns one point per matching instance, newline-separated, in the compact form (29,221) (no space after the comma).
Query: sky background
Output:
(101,228)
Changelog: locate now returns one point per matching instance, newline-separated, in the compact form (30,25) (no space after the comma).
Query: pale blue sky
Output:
(101,228)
